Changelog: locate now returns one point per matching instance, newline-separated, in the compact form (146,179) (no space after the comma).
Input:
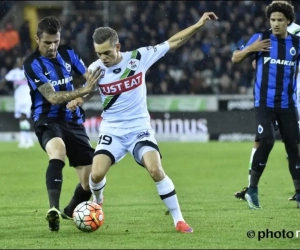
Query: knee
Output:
(292,148)
(267,143)
(156,171)
(56,149)
(97,176)
(101,164)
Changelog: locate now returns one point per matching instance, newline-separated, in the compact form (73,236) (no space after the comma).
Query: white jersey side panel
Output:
(295,30)
(123,88)
(22,90)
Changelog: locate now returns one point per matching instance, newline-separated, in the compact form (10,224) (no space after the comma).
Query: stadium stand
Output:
(203,66)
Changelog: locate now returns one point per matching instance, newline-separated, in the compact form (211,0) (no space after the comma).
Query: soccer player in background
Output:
(126,122)
(277,60)
(294,29)
(60,132)
(22,102)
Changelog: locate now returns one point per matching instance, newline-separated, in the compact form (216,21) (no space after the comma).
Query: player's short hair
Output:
(284,7)
(102,34)
(49,25)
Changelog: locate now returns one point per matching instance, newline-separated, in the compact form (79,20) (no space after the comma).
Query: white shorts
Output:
(22,108)
(116,146)
(22,101)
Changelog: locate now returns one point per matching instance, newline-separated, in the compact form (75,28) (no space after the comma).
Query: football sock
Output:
(97,189)
(28,138)
(255,176)
(250,165)
(24,131)
(297,186)
(166,191)
(80,195)
(54,181)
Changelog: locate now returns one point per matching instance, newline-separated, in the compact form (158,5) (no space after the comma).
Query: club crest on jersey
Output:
(260,129)
(292,51)
(133,64)
(68,67)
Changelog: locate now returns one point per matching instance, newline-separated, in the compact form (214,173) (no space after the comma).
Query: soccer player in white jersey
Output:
(295,30)
(22,102)
(126,122)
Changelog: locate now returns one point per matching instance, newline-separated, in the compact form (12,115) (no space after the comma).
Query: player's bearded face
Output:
(48,44)
(278,24)
(108,53)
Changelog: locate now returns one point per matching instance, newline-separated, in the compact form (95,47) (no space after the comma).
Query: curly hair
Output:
(283,7)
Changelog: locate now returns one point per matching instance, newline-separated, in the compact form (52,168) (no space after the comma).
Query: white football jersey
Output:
(22,91)
(295,30)
(123,88)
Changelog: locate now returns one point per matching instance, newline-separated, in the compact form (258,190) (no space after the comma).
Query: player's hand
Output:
(206,16)
(254,64)
(92,78)
(261,45)
(72,105)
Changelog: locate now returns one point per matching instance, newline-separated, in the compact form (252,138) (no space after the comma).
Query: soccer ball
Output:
(88,216)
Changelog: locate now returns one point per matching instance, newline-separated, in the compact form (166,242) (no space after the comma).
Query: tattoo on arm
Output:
(54,98)
(185,38)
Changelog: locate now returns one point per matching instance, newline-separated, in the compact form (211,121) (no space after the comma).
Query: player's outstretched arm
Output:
(182,36)
(48,91)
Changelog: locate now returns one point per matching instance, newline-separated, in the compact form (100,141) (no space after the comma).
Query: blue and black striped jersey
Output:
(276,71)
(58,72)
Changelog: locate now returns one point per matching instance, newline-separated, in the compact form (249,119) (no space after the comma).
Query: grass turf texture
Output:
(205,176)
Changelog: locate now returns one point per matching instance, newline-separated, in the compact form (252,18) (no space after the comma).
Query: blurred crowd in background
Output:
(202,66)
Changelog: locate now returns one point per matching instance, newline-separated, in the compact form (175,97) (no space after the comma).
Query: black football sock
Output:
(79,196)
(54,181)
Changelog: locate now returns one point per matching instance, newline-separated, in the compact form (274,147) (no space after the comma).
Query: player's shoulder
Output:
(294,29)
(64,47)
(95,64)
(265,34)
(31,57)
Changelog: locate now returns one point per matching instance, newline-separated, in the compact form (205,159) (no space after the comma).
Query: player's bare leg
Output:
(97,179)
(25,136)
(166,190)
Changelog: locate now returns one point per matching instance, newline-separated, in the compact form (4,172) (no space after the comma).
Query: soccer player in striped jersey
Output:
(60,132)
(126,126)
(295,30)
(277,55)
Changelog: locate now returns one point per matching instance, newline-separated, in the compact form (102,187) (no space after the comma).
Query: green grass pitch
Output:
(205,175)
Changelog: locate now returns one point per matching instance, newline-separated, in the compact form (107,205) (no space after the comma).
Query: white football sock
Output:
(22,141)
(29,139)
(97,189)
(166,190)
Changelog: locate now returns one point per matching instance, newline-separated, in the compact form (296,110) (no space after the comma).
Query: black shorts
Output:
(78,148)
(287,120)
(275,125)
